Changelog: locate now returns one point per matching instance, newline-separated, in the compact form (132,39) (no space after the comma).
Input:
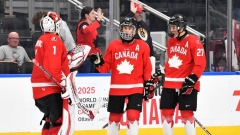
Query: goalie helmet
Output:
(128,21)
(51,22)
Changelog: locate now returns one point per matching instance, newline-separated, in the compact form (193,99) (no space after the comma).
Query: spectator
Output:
(86,34)
(142,29)
(12,52)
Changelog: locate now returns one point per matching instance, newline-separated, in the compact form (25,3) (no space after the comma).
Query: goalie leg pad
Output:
(54,128)
(68,123)
(45,128)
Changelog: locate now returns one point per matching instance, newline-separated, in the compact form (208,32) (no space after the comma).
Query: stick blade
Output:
(98,105)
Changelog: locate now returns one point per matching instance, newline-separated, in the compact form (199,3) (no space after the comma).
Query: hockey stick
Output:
(156,85)
(208,133)
(71,84)
(76,99)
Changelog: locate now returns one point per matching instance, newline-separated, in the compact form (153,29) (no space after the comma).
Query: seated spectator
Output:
(12,52)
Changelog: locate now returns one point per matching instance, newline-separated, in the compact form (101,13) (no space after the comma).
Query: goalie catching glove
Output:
(188,84)
(97,59)
(148,89)
(78,56)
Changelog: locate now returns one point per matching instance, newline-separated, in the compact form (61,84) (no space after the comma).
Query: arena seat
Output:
(8,68)
(22,26)
(26,68)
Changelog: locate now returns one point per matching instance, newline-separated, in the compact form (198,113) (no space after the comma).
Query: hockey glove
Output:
(148,89)
(160,74)
(188,84)
(77,56)
(97,59)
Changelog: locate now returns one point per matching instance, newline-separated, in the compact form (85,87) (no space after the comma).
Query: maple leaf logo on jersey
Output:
(174,62)
(125,67)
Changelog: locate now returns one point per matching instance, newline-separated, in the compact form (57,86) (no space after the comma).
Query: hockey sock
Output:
(132,127)
(167,121)
(189,122)
(113,124)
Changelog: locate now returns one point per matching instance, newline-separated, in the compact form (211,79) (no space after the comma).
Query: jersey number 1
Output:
(54,50)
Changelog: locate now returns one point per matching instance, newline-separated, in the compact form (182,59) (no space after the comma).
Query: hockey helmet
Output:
(51,22)
(178,20)
(128,21)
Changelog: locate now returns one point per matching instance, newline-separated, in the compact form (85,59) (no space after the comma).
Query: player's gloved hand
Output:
(188,84)
(76,57)
(160,74)
(97,59)
(148,89)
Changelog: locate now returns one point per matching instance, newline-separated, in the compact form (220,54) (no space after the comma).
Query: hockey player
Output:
(130,66)
(184,66)
(75,52)
(51,53)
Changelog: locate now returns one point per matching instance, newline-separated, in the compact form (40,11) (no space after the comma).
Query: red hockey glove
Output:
(97,59)
(148,89)
(188,84)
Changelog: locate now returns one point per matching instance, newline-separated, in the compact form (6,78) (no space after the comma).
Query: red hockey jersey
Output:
(129,64)
(51,53)
(185,57)
(87,35)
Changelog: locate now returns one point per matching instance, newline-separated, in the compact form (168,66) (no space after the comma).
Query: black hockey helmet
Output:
(128,21)
(178,20)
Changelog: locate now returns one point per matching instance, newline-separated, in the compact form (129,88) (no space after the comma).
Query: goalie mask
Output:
(180,22)
(51,22)
(128,29)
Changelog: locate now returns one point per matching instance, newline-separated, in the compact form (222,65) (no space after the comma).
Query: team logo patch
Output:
(142,34)
(54,39)
(84,26)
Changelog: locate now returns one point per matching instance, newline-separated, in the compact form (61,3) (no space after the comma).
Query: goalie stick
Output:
(208,133)
(76,100)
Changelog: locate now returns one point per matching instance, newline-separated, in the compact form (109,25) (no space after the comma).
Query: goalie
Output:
(76,54)
(51,53)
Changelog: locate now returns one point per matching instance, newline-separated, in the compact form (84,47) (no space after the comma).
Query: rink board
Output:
(218,107)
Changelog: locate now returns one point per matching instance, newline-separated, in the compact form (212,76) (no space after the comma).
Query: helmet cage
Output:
(127,22)
(51,22)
